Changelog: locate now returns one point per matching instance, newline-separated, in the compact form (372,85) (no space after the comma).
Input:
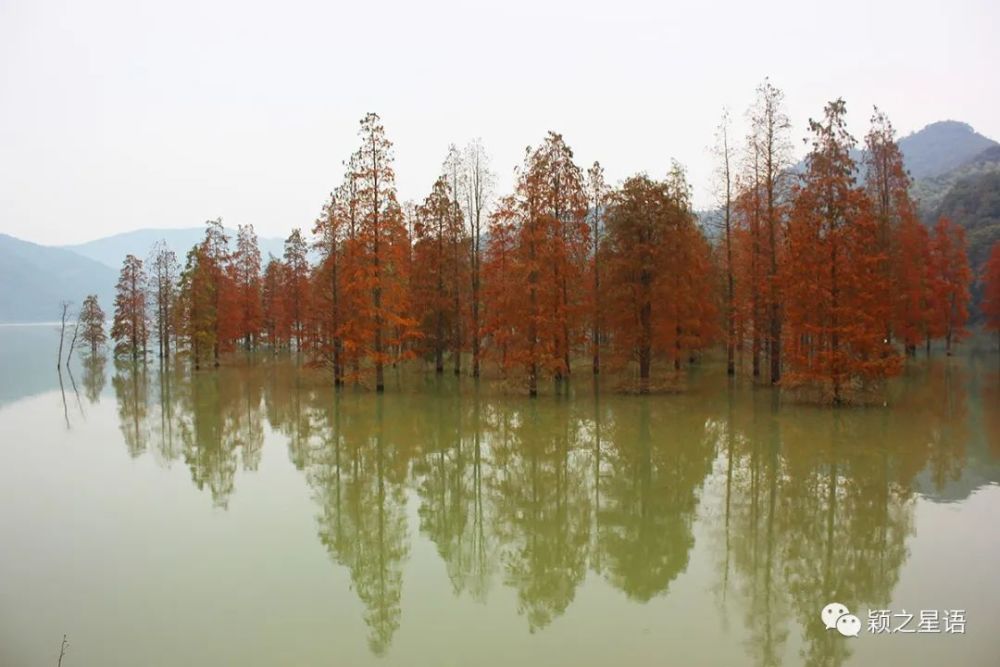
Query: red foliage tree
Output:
(273,307)
(547,264)
(836,306)
(206,296)
(297,286)
(900,246)
(384,248)
(950,281)
(912,284)
(991,290)
(327,313)
(434,284)
(245,276)
(502,304)
(129,328)
(658,275)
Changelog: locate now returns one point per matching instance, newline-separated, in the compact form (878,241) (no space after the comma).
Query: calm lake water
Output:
(252,516)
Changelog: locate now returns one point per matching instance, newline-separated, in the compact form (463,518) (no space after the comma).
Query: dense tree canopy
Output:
(819,281)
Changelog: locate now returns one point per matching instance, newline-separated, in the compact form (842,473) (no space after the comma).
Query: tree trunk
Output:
(62,335)
(645,352)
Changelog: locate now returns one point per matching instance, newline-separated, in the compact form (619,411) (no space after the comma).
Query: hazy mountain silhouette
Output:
(941,147)
(34,279)
(111,250)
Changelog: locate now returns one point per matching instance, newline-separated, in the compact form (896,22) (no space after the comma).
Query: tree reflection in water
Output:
(804,505)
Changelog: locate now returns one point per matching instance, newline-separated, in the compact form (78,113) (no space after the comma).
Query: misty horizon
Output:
(119,117)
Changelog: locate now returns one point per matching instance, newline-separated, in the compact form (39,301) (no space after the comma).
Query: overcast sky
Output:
(117,115)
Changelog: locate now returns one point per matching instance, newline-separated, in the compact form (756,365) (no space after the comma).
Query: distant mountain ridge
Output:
(934,150)
(35,279)
(112,250)
(941,147)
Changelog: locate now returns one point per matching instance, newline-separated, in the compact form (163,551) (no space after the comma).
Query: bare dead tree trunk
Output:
(477,187)
(72,342)
(62,650)
(597,192)
(62,332)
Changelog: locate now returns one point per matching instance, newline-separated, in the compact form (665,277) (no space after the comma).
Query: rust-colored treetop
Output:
(818,281)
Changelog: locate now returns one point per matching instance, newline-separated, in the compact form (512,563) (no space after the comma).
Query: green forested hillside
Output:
(930,192)
(974,203)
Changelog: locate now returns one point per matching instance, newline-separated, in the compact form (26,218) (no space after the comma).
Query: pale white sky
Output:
(121,114)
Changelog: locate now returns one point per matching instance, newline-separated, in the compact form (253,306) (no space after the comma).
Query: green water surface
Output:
(254,516)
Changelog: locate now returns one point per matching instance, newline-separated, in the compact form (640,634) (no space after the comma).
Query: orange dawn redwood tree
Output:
(545,224)
(129,328)
(206,294)
(501,303)
(196,305)
(245,277)
(751,248)
(911,316)
(273,305)
(901,239)
(434,284)
(836,301)
(817,279)
(92,320)
(950,282)
(991,290)
(354,294)
(327,313)
(659,283)
(770,151)
(384,250)
(296,275)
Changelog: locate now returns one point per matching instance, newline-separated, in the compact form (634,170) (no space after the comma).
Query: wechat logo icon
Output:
(836,615)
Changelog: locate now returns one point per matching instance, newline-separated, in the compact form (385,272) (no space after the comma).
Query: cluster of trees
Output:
(519,283)
(830,275)
(89,330)
(821,275)
(991,290)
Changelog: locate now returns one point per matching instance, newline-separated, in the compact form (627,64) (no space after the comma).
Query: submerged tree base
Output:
(852,393)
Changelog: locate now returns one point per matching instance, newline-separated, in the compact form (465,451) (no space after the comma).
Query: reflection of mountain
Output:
(28,361)
(978,448)
(976,475)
